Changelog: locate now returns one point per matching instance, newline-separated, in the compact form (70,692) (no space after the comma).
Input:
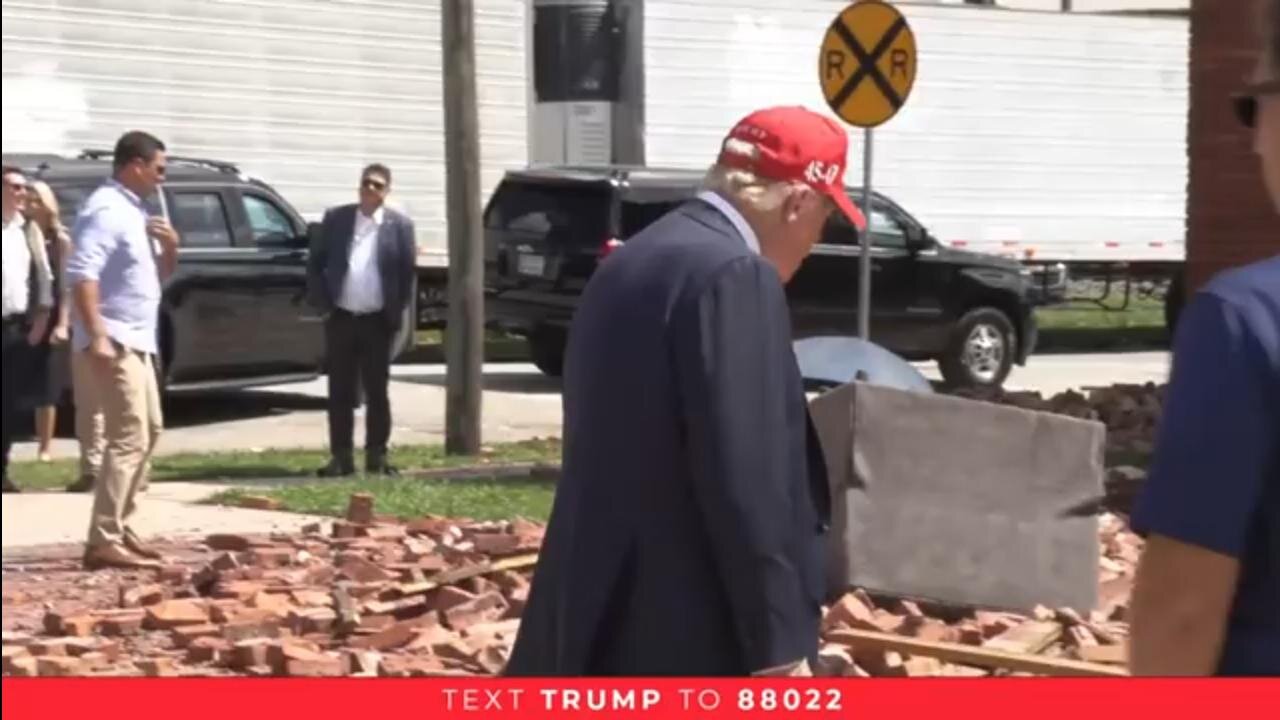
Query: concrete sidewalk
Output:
(169,509)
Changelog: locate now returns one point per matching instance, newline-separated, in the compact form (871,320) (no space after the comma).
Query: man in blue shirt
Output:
(116,273)
(1207,598)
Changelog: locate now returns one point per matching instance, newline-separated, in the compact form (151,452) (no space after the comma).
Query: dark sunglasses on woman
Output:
(1246,103)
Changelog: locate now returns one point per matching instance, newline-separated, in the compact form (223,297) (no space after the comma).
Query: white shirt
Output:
(740,223)
(362,290)
(17,267)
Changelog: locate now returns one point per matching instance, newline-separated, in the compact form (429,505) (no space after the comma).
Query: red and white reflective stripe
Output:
(1112,244)
(960,243)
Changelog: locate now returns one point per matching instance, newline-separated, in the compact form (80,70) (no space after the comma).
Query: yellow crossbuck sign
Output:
(868,63)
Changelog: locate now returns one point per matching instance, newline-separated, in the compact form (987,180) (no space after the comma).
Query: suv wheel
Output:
(981,350)
(546,349)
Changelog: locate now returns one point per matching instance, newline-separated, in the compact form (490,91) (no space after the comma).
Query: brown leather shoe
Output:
(115,556)
(137,547)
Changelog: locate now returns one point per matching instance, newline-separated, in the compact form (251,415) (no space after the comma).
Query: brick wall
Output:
(1230,220)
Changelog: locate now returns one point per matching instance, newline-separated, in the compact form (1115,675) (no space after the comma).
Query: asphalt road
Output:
(519,403)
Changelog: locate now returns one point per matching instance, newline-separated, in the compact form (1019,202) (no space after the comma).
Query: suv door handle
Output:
(292,256)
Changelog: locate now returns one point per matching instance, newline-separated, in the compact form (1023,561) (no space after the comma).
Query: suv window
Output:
(564,215)
(268,221)
(200,219)
(886,229)
(637,216)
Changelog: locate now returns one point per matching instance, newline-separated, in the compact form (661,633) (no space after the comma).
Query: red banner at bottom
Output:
(346,698)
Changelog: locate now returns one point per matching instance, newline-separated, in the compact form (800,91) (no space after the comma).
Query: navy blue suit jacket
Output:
(397,257)
(687,532)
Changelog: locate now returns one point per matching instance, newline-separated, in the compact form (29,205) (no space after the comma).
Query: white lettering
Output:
(820,172)
(651,698)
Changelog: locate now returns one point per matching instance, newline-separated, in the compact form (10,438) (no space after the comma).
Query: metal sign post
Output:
(864,267)
(866,69)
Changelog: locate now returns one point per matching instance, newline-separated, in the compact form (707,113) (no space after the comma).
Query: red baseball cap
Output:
(796,144)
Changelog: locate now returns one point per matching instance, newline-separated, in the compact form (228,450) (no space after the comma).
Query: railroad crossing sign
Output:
(868,63)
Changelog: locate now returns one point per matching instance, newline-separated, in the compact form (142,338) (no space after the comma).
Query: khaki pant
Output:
(132,423)
(90,427)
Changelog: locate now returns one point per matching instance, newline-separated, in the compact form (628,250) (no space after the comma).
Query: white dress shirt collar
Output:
(740,223)
(376,217)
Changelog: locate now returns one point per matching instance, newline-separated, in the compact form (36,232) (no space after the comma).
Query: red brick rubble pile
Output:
(432,597)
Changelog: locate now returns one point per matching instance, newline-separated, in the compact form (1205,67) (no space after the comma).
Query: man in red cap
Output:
(688,528)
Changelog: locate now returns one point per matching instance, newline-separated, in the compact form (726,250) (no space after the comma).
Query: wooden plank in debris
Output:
(453,577)
(1108,654)
(1029,638)
(976,656)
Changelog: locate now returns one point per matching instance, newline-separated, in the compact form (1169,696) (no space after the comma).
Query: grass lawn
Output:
(1142,313)
(407,498)
(245,465)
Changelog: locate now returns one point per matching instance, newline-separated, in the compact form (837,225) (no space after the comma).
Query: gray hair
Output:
(761,193)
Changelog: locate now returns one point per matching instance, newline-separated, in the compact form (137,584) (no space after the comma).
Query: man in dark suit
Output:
(361,273)
(688,528)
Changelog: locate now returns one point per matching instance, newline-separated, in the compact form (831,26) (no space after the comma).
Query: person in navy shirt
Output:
(1207,597)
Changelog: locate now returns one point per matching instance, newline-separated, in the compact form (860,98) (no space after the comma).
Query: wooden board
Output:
(1029,638)
(977,656)
(452,577)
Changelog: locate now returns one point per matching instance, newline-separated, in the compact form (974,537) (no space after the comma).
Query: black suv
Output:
(235,312)
(547,228)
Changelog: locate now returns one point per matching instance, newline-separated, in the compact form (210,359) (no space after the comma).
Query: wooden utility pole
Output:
(464,335)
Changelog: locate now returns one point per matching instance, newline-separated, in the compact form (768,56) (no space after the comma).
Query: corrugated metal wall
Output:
(1230,219)
(1065,133)
(299,92)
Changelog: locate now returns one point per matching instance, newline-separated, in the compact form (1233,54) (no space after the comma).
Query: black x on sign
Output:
(867,64)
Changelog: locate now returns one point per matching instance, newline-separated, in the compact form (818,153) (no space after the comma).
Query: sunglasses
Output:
(1246,103)
(375,185)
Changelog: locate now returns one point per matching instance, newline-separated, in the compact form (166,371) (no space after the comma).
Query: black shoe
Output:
(83,485)
(337,468)
(9,487)
(378,465)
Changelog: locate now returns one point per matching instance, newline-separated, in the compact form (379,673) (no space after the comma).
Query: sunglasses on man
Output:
(1246,103)
(374,185)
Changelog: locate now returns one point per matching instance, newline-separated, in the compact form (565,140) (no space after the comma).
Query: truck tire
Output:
(981,352)
(1174,299)
(546,349)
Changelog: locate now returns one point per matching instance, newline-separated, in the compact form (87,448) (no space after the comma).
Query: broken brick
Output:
(361,570)
(208,650)
(173,574)
(273,557)
(501,630)
(21,667)
(140,595)
(59,666)
(392,637)
(450,596)
(185,635)
(312,620)
(121,625)
(385,532)
(238,589)
(225,561)
(360,508)
(360,663)
(12,653)
(399,666)
(79,625)
(850,612)
(496,544)
(175,613)
(48,648)
(312,598)
(156,667)
(252,623)
(248,653)
(274,603)
(492,659)
(485,607)
(225,541)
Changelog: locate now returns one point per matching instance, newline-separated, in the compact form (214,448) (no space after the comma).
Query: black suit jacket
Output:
(330,252)
(687,532)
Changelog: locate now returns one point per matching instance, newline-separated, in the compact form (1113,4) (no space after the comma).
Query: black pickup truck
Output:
(235,312)
(547,228)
